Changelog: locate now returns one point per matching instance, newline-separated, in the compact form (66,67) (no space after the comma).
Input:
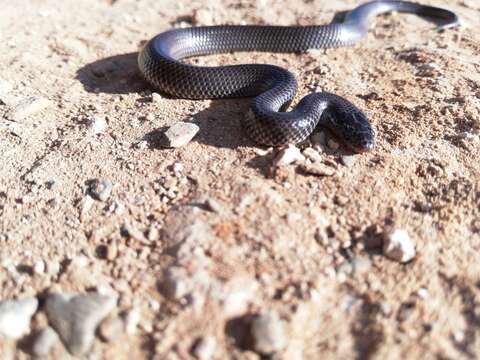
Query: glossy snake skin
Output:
(271,87)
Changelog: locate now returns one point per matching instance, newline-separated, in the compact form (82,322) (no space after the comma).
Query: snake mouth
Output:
(366,147)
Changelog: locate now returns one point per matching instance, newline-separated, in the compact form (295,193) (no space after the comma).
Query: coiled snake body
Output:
(271,87)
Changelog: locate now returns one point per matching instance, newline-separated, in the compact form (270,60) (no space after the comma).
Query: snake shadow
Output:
(220,123)
(117,74)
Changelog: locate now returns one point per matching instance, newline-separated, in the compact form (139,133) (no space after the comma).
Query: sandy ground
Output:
(202,240)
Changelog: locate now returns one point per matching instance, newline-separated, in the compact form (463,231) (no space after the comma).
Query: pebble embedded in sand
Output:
(75,317)
(289,155)
(15,316)
(179,134)
(398,246)
(268,332)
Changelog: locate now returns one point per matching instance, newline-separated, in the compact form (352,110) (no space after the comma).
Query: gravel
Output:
(268,333)
(179,134)
(398,246)
(15,316)
(76,316)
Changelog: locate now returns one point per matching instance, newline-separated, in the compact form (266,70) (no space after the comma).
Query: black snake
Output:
(271,87)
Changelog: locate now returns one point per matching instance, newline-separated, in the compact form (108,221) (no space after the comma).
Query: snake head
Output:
(351,126)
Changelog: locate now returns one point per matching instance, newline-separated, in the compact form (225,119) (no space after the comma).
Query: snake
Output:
(272,88)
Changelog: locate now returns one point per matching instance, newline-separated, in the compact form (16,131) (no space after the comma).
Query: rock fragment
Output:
(44,342)
(132,319)
(111,329)
(268,333)
(101,189)
(204,349)
(179,134)
(348,160)
(312,154)
(213,205)
(289,155)
(156,97)
(15,316)
(75,317)
(96,124)
(85,205)
(318,169)
(398,246)
(131,229)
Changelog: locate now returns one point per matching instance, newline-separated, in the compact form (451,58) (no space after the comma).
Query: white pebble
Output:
(205,348)
(398,246)
(96,124)
(268,332)
(15,316)
(39,267)
(288,156)
(132,320)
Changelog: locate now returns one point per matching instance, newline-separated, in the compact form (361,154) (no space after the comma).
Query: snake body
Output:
(271,87)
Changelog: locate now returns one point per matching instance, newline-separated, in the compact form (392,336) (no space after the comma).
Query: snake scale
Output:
(271,87)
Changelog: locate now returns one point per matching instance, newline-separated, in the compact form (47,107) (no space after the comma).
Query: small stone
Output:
(177,167)
(422,293)
(312,154)
(348,160)
(156,97)
(96,124)
(132,319)
(131,230)
(28,107)
(398,246)
(213,205)
(76,317)
(15,316)
(85,205)
(288,156)
(111,329)
(175,285)
(268,333)
(39,267)
(204,349)
(179,134)
(101,189)
(150,117)
(45,340)
(111,252)
(332,144)
(153,234)
(52,267)
(142,145)
(318,169)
